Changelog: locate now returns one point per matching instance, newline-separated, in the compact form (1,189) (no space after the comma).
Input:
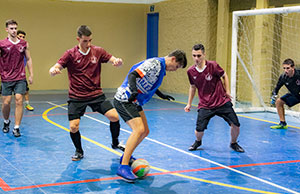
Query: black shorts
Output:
(17,87)
(226,112)
(127,110)
(76,108)
(290,99)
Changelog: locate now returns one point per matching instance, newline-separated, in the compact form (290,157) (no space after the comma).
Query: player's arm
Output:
(115,61)
(226,84)
(192,92)
(276,90)
(55,69)
(29,64)
(163,96)
(132,85)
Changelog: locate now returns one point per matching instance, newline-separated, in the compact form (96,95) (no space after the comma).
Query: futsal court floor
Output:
(40,160)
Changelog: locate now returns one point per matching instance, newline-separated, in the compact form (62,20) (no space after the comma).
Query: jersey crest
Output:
(208,77)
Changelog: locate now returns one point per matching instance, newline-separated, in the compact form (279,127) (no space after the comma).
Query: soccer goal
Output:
(261,40)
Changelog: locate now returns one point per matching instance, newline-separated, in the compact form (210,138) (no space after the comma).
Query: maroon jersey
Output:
(211,91)
(12,60)
(84,71)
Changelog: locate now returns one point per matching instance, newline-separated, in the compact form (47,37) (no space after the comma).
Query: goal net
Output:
(261,40)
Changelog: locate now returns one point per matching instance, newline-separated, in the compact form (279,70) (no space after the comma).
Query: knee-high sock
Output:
(76,138)
(115,132)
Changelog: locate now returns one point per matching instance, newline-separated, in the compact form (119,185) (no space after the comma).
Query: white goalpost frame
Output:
(235,54)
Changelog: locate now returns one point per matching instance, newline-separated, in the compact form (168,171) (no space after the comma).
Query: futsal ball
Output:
(140,167)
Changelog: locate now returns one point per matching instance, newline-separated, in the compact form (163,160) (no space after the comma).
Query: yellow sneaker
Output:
(279,126)
(28,107)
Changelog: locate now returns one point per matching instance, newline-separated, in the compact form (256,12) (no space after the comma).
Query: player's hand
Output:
(133,96)
(187,108)
(273,99)
(30,79)
(117,62)
(167,97)
(54,70)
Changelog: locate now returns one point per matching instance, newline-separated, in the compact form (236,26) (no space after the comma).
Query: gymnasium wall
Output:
(183,23)
(51,30)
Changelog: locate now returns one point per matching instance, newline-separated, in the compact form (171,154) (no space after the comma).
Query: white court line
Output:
(193,155)
(23,175)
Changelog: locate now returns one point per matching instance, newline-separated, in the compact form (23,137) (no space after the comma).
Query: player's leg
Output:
(6,101)
(18,114)
(135,118)
(288,99)
(204,115)
(76,139)
(27,105)
(228,114)
(114,127)
(19,90)
(75,110)
(104,106)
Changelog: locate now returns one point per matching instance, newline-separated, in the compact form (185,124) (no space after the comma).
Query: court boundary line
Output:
(162,170)
(193,155)
(6,187)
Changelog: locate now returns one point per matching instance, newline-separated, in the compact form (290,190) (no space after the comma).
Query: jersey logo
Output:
(94,59)
(298,82)
(78,61)
(195,77)
(208,77)
(21,49)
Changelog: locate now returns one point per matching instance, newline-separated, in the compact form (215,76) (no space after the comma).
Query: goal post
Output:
(261,40)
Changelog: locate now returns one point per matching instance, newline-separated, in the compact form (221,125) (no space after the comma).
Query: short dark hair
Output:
(180,57)
(21,32)
(10,22)
(83,30)
(289,62)
(197,47)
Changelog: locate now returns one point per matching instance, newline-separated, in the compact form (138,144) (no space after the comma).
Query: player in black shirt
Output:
(291,79)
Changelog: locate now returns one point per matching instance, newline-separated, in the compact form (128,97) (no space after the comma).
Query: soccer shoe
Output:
(132,159)
(29,107)
(125,172)
(236,147)
(195,145)
(279,126)
(6,127)
(119,146)
(16,132)
(77,156)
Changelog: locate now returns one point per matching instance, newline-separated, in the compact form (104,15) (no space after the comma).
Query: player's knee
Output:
(74,128)
(279,102)
(146,133)
(6,103)
(112,115)
(200,129)
(19,102)
(141,131)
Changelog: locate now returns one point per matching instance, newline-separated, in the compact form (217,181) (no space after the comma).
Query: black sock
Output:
(283,123)
(115,132)
(76,138)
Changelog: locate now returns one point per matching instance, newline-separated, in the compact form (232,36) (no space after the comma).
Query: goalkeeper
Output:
(291,79)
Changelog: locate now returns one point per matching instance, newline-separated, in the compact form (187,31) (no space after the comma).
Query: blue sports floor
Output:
(40,160)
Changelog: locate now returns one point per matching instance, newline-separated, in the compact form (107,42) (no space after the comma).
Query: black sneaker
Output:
(195,145)
(77,156)
(6,127)
(119,146)
(236,147)
(16,132)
